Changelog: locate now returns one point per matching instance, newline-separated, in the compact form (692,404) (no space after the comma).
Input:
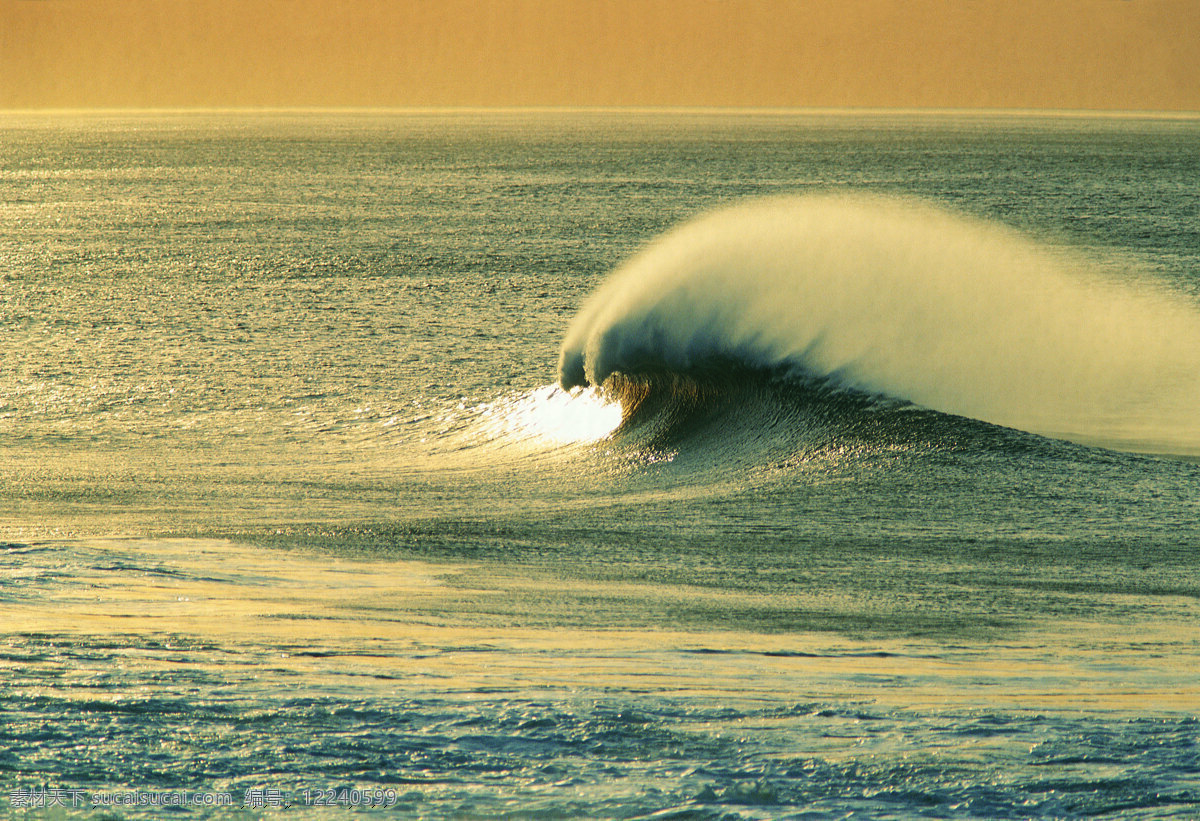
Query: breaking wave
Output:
(874,296)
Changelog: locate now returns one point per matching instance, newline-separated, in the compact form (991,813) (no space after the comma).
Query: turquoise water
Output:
(883,502)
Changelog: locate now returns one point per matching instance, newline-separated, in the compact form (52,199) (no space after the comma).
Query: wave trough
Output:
(902,298)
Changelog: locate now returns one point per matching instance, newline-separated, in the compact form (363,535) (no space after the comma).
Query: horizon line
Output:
(1079,113)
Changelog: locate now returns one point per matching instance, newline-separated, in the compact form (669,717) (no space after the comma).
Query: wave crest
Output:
(893,296)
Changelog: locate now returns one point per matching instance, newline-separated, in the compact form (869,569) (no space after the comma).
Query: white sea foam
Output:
(905,298)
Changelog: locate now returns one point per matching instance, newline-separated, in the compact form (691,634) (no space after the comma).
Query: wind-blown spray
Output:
(900,297)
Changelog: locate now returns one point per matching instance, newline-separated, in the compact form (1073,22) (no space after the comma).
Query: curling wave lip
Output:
(896,296)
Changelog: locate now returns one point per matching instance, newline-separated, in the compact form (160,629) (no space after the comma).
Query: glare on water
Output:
(551,415)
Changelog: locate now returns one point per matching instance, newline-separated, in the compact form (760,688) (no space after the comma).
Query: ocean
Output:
(600,464)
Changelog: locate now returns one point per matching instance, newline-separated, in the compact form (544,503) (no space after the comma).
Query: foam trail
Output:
(900,297)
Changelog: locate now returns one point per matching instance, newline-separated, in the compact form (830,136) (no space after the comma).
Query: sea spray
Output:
(900,297)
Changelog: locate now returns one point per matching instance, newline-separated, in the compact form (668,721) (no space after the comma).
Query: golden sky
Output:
(1073,54)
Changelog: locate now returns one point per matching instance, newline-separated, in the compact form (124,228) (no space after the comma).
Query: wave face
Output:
(896,297)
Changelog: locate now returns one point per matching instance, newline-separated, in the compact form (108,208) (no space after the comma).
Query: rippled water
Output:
(290,502)
(189,664)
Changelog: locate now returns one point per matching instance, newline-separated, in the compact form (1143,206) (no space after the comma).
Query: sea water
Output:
(600,464)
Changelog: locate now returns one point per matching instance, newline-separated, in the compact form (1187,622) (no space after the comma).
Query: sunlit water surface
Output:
(290,500)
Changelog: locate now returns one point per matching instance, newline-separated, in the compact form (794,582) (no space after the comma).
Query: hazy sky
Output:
(1090,54)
